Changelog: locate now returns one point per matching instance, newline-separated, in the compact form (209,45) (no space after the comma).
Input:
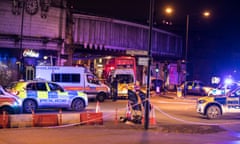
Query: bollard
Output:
(4,119)
(179,92)
(32,118)
(42,120)
(91,118)
(60,116)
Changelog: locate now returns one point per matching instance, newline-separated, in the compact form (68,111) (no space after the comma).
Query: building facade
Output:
(46,32)
(31,33)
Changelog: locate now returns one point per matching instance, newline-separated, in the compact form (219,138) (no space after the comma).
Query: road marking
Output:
(167,102)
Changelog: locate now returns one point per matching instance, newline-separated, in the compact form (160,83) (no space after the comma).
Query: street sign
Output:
(137,52)
(143,61)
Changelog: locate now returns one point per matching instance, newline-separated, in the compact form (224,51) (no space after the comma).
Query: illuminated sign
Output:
(215,80)
(30,53)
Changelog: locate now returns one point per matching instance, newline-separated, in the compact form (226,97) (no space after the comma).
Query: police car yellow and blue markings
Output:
(220,100)
(232,102)
(209,99)
(59,96)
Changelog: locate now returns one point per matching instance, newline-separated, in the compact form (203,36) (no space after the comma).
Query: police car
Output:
(216,105)
(224,88)
(9,103)
(38,94)
(195,87)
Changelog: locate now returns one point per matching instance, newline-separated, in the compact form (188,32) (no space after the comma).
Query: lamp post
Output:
(205,14)
(186,45)
(21,42)
(147,104)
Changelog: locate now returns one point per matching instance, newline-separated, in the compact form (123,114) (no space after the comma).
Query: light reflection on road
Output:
(232,128)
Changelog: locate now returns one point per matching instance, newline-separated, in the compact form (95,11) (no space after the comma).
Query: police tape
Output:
(92,118)
(193,122)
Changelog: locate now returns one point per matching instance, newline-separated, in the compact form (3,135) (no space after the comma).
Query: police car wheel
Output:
(101,97)
(78,105)
(29,106)
(213,112)
(7,110)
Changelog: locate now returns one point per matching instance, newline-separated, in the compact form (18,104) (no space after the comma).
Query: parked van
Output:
(75,78)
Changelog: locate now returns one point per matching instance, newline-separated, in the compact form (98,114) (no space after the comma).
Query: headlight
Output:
(16,104)
(85,96)
(201,101)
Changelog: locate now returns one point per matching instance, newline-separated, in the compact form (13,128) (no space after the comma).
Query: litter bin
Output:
(158,85)
(179,92)
(158,89)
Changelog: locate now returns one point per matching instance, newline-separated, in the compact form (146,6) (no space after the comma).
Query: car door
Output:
(233,101)
(57,95)
(42,94)
(38,92)
(198,88)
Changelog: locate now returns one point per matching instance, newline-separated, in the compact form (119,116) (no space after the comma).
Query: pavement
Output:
(119,133)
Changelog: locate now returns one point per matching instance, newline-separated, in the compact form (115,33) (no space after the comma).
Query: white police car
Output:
(216,105)
(38,94)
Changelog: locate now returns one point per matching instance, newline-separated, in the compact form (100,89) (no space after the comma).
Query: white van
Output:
(75,78)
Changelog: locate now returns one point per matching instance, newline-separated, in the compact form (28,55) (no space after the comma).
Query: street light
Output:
(205,14)
(169,10)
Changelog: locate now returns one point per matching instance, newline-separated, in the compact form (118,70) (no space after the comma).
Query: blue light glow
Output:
(228,81)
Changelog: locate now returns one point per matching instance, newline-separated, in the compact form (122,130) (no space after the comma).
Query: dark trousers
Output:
(114,94)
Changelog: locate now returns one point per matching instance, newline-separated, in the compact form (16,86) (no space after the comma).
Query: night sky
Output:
(214,40)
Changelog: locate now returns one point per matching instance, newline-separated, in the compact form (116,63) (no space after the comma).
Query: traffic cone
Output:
(60,116)
(142,121)
(116,117)
(4,122)
(152,118)
(97,107)
(33,118)
(128,112)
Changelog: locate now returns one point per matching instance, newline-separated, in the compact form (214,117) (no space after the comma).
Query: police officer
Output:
(114,85)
